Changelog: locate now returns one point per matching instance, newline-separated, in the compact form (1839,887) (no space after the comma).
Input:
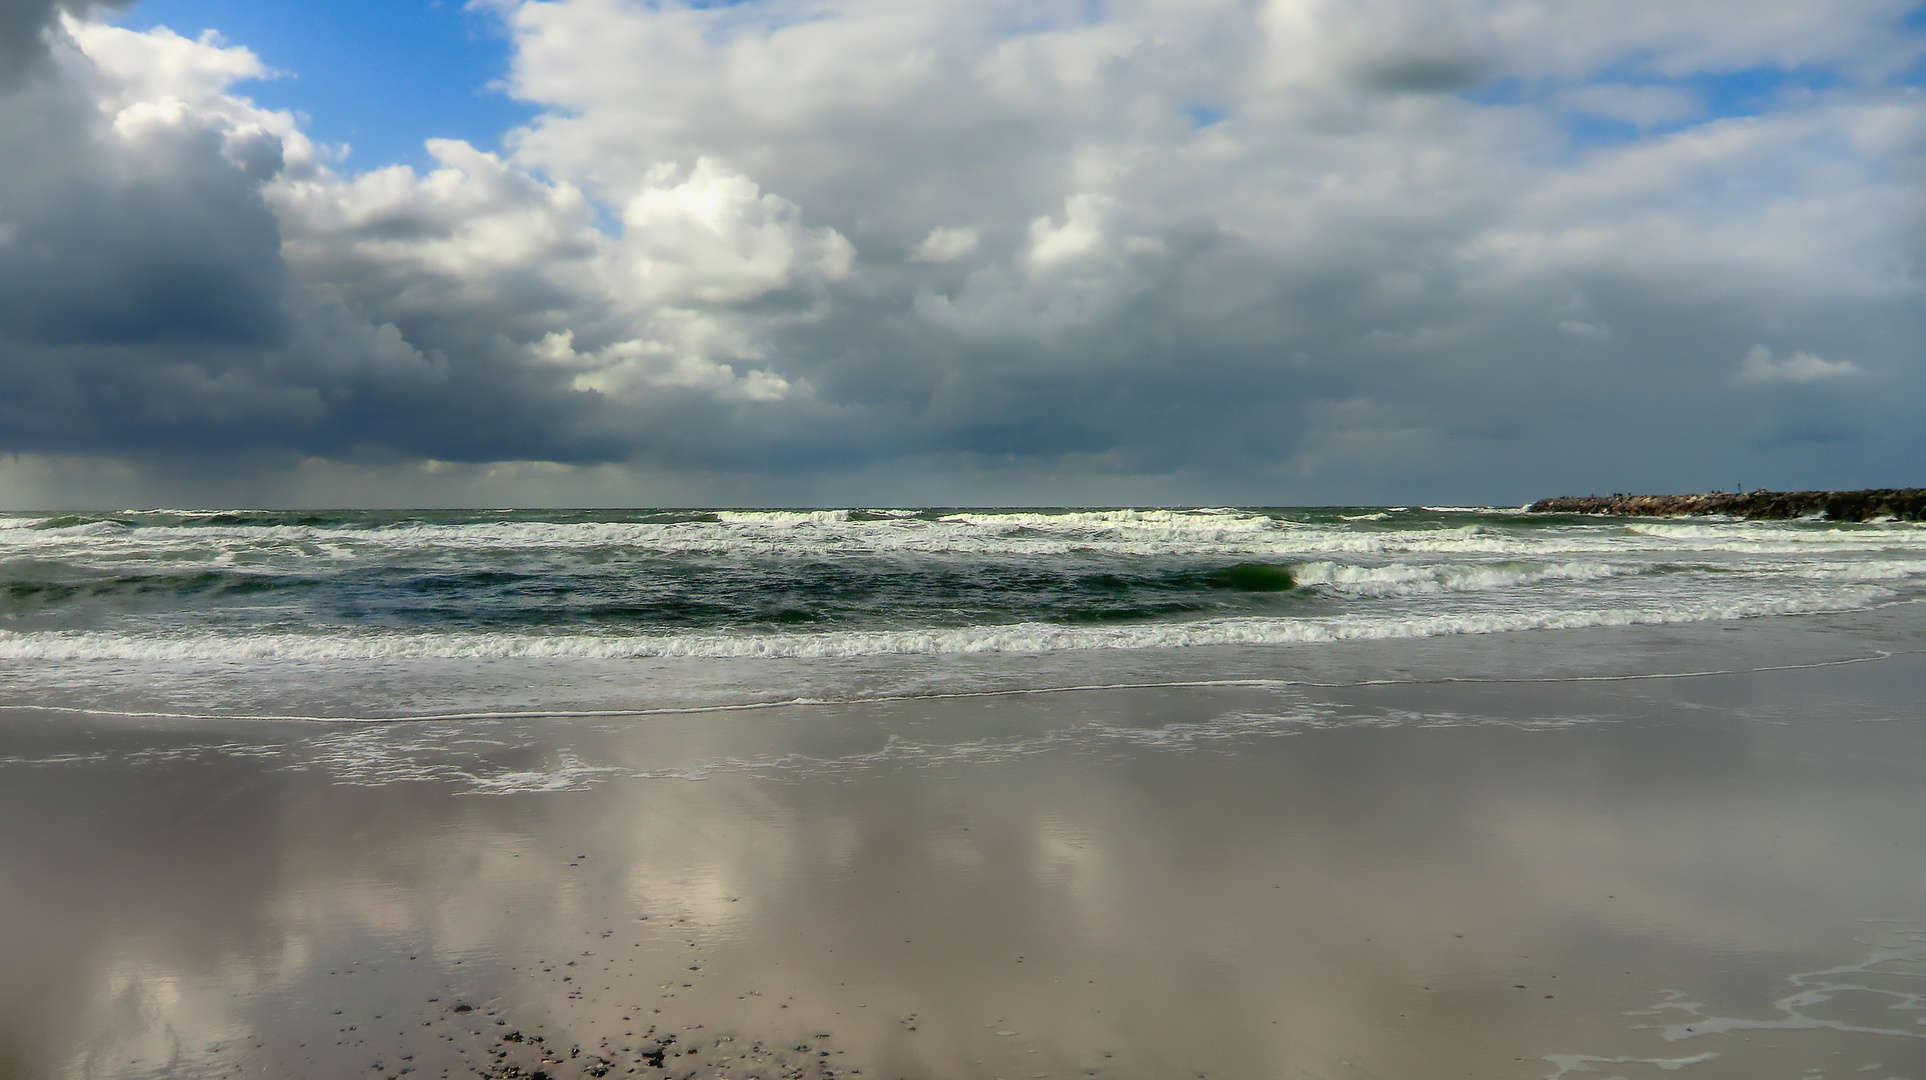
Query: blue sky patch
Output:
(380,75)
(1202,116)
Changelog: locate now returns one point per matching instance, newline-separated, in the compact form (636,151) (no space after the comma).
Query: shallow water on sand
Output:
(1371,874)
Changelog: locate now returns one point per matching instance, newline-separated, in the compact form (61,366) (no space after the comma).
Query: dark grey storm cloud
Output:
(1284,252)
(145,306)
(24,34)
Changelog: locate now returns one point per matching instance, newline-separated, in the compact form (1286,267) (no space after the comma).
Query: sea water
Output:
(355,614)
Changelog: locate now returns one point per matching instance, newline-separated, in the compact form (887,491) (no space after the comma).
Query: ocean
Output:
(359,614)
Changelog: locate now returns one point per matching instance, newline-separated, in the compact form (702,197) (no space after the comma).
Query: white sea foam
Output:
(1406,579)
(1877,570)
(85,529)
(1192,525)
(374,646)
(1803,531)
(783,519)
(1200,533)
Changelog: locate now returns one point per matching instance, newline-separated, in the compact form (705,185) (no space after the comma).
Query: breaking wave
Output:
(1018,638)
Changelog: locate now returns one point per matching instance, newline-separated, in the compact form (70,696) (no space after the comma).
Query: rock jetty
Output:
(1904,504)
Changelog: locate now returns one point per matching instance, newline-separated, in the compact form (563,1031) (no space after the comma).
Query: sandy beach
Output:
(1691,875)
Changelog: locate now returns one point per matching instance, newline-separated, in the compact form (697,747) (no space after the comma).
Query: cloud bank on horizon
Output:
(921,251)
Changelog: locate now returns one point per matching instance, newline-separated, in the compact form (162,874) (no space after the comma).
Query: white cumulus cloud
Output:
(945,244)
(1761,366)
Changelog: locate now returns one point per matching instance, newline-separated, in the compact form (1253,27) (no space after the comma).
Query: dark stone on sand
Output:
(463,1008)
(1902,504)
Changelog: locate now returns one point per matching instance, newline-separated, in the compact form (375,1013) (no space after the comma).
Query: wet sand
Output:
(1714,876)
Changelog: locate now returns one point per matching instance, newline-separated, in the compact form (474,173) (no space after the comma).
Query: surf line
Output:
(952,695)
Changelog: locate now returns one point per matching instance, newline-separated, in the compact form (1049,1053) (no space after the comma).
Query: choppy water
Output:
(206,609)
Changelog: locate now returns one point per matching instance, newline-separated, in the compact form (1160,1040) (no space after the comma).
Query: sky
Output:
(924,252)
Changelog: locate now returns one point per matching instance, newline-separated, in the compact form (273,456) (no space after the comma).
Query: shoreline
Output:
(1872,504)
(1612,652)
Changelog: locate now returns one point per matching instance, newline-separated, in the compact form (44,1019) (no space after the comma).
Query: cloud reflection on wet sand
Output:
(1416,882)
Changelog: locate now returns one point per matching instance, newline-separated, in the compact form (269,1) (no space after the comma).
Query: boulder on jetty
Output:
(1903,504)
